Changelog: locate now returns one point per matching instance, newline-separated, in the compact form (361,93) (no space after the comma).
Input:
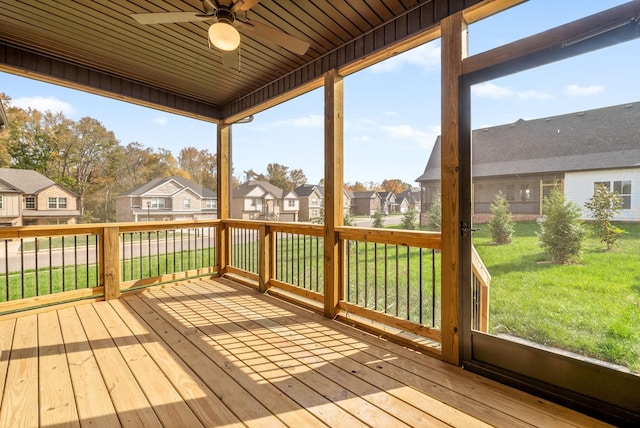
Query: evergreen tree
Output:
(435,216)
(561,233)
(410,219)
(501,223)
(378,219)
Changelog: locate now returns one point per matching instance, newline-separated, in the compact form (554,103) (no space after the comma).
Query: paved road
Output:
(388,220)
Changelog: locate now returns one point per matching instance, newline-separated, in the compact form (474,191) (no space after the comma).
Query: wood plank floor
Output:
(214,353)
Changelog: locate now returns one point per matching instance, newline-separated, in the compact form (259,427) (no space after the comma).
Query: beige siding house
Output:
(260,200)
(311,201)
(167,199)
(29,198)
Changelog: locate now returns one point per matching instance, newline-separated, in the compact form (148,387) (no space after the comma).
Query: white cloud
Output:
(43,104)
(425,56)
(491,90)
(160,120)
(408,132)
(578,91)
(361,139)
(534,95)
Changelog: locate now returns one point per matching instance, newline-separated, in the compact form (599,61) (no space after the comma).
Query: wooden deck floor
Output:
(214,353)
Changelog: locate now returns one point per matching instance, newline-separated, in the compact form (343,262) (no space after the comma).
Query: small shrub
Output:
(378,220)
(410,219)
(501,223)
(347,220)
(604,204)
(561,232)
(435,216)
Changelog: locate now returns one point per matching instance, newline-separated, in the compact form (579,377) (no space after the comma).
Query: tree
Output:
(604,204)
(394,186)
(435,215)
(410,219)
(561,232)
(378,219)
(280,176)
(501,223)
(201,166)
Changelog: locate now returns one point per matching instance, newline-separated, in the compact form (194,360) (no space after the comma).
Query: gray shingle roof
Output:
(306,190)
(26,181)
(198,188)
(603,138)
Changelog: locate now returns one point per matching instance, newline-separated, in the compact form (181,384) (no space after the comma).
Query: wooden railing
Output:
(389,277)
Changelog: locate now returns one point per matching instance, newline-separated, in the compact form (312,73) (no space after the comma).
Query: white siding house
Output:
(579,188)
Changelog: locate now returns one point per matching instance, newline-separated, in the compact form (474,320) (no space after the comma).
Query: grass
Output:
(591,308)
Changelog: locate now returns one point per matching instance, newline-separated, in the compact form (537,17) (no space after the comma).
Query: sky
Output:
(392,109)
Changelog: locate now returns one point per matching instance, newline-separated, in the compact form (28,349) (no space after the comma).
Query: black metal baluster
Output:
(64,267)
(397,283)
(433,287)
(75,261)
(50,268)
(386,282)
(22,265)
(408,285)
(37,244)
(375,276)
(420,282)
(6,269)
(366,274)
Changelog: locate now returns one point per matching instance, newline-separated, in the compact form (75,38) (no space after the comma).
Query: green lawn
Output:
(591,308)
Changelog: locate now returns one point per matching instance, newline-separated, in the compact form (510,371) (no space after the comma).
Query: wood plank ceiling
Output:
(96,46)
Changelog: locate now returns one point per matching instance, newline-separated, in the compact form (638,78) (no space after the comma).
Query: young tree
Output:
(561,233)
(378,219)
(604,204)
(501,223)
(435,215)
(410,219)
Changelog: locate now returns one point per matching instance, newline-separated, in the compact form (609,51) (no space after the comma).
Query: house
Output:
(167,199)
(261,200)
(366,203)
(388,202)
(526,159)
(408,199)
(311,201)
(29,198)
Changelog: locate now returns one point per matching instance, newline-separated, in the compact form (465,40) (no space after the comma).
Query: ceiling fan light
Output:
(224,36)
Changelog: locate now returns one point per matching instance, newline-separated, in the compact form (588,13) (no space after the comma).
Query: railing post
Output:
(265,255)
(334,196)
(110,262)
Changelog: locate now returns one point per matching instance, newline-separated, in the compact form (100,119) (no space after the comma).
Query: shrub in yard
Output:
(378,220)
(435,216)
(604,204)
(347,220)
(501,223)
(410,219)
(561,232)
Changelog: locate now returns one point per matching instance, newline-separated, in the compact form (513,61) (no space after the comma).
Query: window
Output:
(211,204)
(30,202)
(57,203)
(525,193)
(187,203)
(157,202)
(291,203)
(1,202)
(622,188)
(314,201)
(254,202)
(510,192)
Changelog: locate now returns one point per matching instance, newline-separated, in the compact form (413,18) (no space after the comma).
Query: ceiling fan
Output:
(227,17)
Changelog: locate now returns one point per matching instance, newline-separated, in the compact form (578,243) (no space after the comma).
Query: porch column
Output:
(223,159)
(454,49)
(333,186)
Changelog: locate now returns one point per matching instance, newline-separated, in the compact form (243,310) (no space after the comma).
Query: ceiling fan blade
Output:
(231,59)
(278,37)
(244,5)
(168,17)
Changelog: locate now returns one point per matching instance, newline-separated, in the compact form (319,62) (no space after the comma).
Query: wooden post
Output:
(454,49)
(223,160)
(333,195)
(265,254)
(110,262)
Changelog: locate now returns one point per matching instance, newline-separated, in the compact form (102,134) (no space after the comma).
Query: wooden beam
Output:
(57,71)
(334,196)
(454,48)
(223,159)
(602,29)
